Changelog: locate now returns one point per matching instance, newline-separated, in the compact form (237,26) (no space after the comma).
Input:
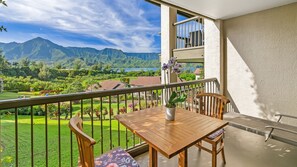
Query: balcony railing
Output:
(190,33)
(34,131)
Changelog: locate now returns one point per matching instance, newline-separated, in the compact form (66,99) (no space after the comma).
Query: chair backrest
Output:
(212,104)
(85,143)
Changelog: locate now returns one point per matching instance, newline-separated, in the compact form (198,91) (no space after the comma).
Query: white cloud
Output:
(120,22)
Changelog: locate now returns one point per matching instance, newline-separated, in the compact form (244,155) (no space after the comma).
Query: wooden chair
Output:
(85,147)
(212,105)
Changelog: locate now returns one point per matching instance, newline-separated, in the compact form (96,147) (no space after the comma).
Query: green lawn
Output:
(8,95)
(11,95)
(39,146)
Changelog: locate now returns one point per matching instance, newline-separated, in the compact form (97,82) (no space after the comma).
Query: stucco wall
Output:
(262,61)
(212,50)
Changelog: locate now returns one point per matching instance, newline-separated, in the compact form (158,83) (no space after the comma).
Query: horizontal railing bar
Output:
(7,104)
(171,85)
(187,20)
(191,48)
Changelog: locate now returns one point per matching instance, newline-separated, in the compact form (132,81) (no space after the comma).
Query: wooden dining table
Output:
(170,138)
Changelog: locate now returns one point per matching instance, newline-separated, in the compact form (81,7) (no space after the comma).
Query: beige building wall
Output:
(262,61)
(211,50)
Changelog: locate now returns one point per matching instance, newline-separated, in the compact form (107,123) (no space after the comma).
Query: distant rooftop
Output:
(198,71)
(116,84)
(145,81)
(150,80)
(111,84)
(107,85)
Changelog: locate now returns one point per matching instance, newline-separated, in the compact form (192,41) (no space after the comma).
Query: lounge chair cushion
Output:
(216,134)
(116,158)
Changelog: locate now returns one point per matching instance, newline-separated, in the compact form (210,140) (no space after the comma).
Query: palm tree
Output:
(2,28)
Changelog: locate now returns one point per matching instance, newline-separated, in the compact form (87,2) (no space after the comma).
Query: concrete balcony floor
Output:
(242,149)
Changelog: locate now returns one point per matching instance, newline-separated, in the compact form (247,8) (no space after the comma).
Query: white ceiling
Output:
(224,9)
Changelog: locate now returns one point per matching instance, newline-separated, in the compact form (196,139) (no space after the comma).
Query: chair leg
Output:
(214,155)
(199,145)
(223,152)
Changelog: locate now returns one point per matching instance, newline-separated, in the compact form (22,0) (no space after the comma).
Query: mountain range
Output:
(40,49)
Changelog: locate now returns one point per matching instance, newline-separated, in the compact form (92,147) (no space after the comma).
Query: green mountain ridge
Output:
(39,49)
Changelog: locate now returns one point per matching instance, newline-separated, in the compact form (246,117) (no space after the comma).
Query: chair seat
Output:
(215,134)
(116,158)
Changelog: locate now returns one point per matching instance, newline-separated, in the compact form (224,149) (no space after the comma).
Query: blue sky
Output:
(130,25)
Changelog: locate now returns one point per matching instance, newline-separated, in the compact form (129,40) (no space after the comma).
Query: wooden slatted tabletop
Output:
(170,137)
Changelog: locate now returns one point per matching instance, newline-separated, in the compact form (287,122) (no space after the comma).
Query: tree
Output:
(40,65)
(58,65)
(74,87)
(77,64)
(88,82)
(44,73)
(3,2)
(88,110)
(15,64)
(107,68)
(65,109)
(126,81)
(71,74)
(24,62)
(97,67)
(33,65)
(3,62)
(52,108)
(187,76)
(122,71)
(2,28)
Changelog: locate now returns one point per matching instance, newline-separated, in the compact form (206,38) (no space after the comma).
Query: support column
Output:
(168,38)
(223,59)
(215,61)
